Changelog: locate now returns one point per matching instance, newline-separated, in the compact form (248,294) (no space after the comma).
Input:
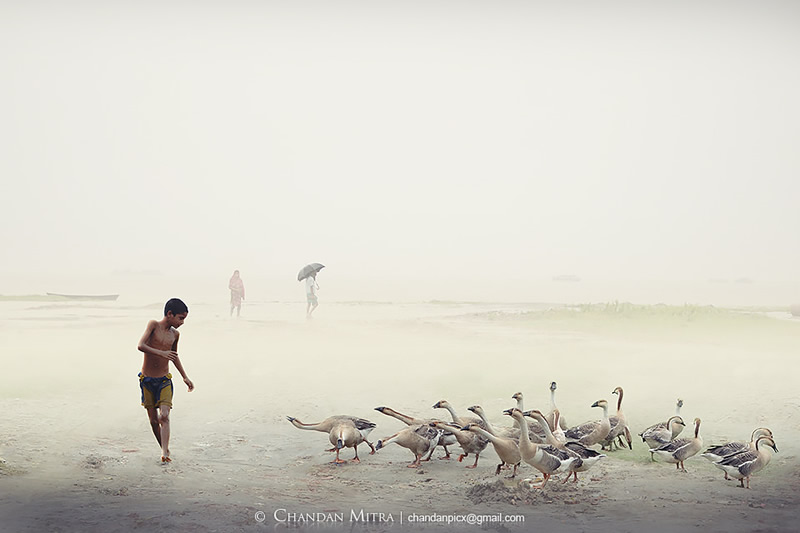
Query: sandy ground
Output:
(78,455)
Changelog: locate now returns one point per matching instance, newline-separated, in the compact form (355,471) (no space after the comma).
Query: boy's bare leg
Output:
(152,414)
(163,420)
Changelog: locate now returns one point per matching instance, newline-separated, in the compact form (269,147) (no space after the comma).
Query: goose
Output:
(445,440)
(510,433)
(343,431)
(619,426)
(591,433)
(507,448)
(470,442)
(535,430)
(744,464)
(587,457)
(551,415)
(518,397)
(718,453)
(419,439)
(544,458)
(662,425)
(461,421)
(678,450)
(657,435)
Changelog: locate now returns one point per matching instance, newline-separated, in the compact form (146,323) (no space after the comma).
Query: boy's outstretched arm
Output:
(179,366)
(146,348)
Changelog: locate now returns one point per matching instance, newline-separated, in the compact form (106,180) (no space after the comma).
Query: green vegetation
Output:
(675,322)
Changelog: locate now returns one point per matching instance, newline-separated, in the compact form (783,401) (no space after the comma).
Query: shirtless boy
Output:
(160,346)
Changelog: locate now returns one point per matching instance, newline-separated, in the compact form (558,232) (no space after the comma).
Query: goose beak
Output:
(339,443)
(380,409)
(437,405)
(465,428)
(378,445)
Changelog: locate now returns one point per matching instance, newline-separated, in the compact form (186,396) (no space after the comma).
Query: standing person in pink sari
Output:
(236,285)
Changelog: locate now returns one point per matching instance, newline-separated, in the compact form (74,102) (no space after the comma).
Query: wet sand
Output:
(78,455)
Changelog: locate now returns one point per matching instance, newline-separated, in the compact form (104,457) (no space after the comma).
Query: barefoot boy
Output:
(160,346)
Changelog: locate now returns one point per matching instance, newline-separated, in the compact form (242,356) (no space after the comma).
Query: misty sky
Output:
(605,139)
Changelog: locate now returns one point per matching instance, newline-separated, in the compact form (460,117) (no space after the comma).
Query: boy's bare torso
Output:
(161,338)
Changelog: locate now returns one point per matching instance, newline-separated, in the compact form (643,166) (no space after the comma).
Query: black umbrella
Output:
(307,270)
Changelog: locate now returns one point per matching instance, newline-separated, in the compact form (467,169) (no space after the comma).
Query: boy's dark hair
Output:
(175,305)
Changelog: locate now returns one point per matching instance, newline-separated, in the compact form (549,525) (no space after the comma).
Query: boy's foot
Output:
(165,459)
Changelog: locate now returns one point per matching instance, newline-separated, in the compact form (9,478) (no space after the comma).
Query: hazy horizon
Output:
(446,150)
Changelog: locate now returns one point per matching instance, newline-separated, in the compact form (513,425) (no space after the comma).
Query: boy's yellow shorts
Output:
(156,391)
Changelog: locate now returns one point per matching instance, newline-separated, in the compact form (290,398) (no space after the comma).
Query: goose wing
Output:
(583,451)
(743,461)
(657,433)
(673,446)
(654,427)
(729,448)
(427,432)
(578,432)
(362,423)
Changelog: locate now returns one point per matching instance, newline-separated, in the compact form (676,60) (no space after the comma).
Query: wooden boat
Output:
(106,297)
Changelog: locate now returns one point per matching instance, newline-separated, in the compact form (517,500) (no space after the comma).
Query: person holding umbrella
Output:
(309,273)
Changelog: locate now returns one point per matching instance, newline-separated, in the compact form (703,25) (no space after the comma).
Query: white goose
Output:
(470,442)
(343,432)
(591,433)
(535,430)
(744,464)
(678,450)
(506,432)
(585,457)
(619,426)
(657,435)
(551,415)
(718,453)
(507,448)
(461,421)
(445,440)
(656,427)
(418,439)
(544,458)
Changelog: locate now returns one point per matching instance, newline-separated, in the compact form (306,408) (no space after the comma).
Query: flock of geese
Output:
(545,441)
